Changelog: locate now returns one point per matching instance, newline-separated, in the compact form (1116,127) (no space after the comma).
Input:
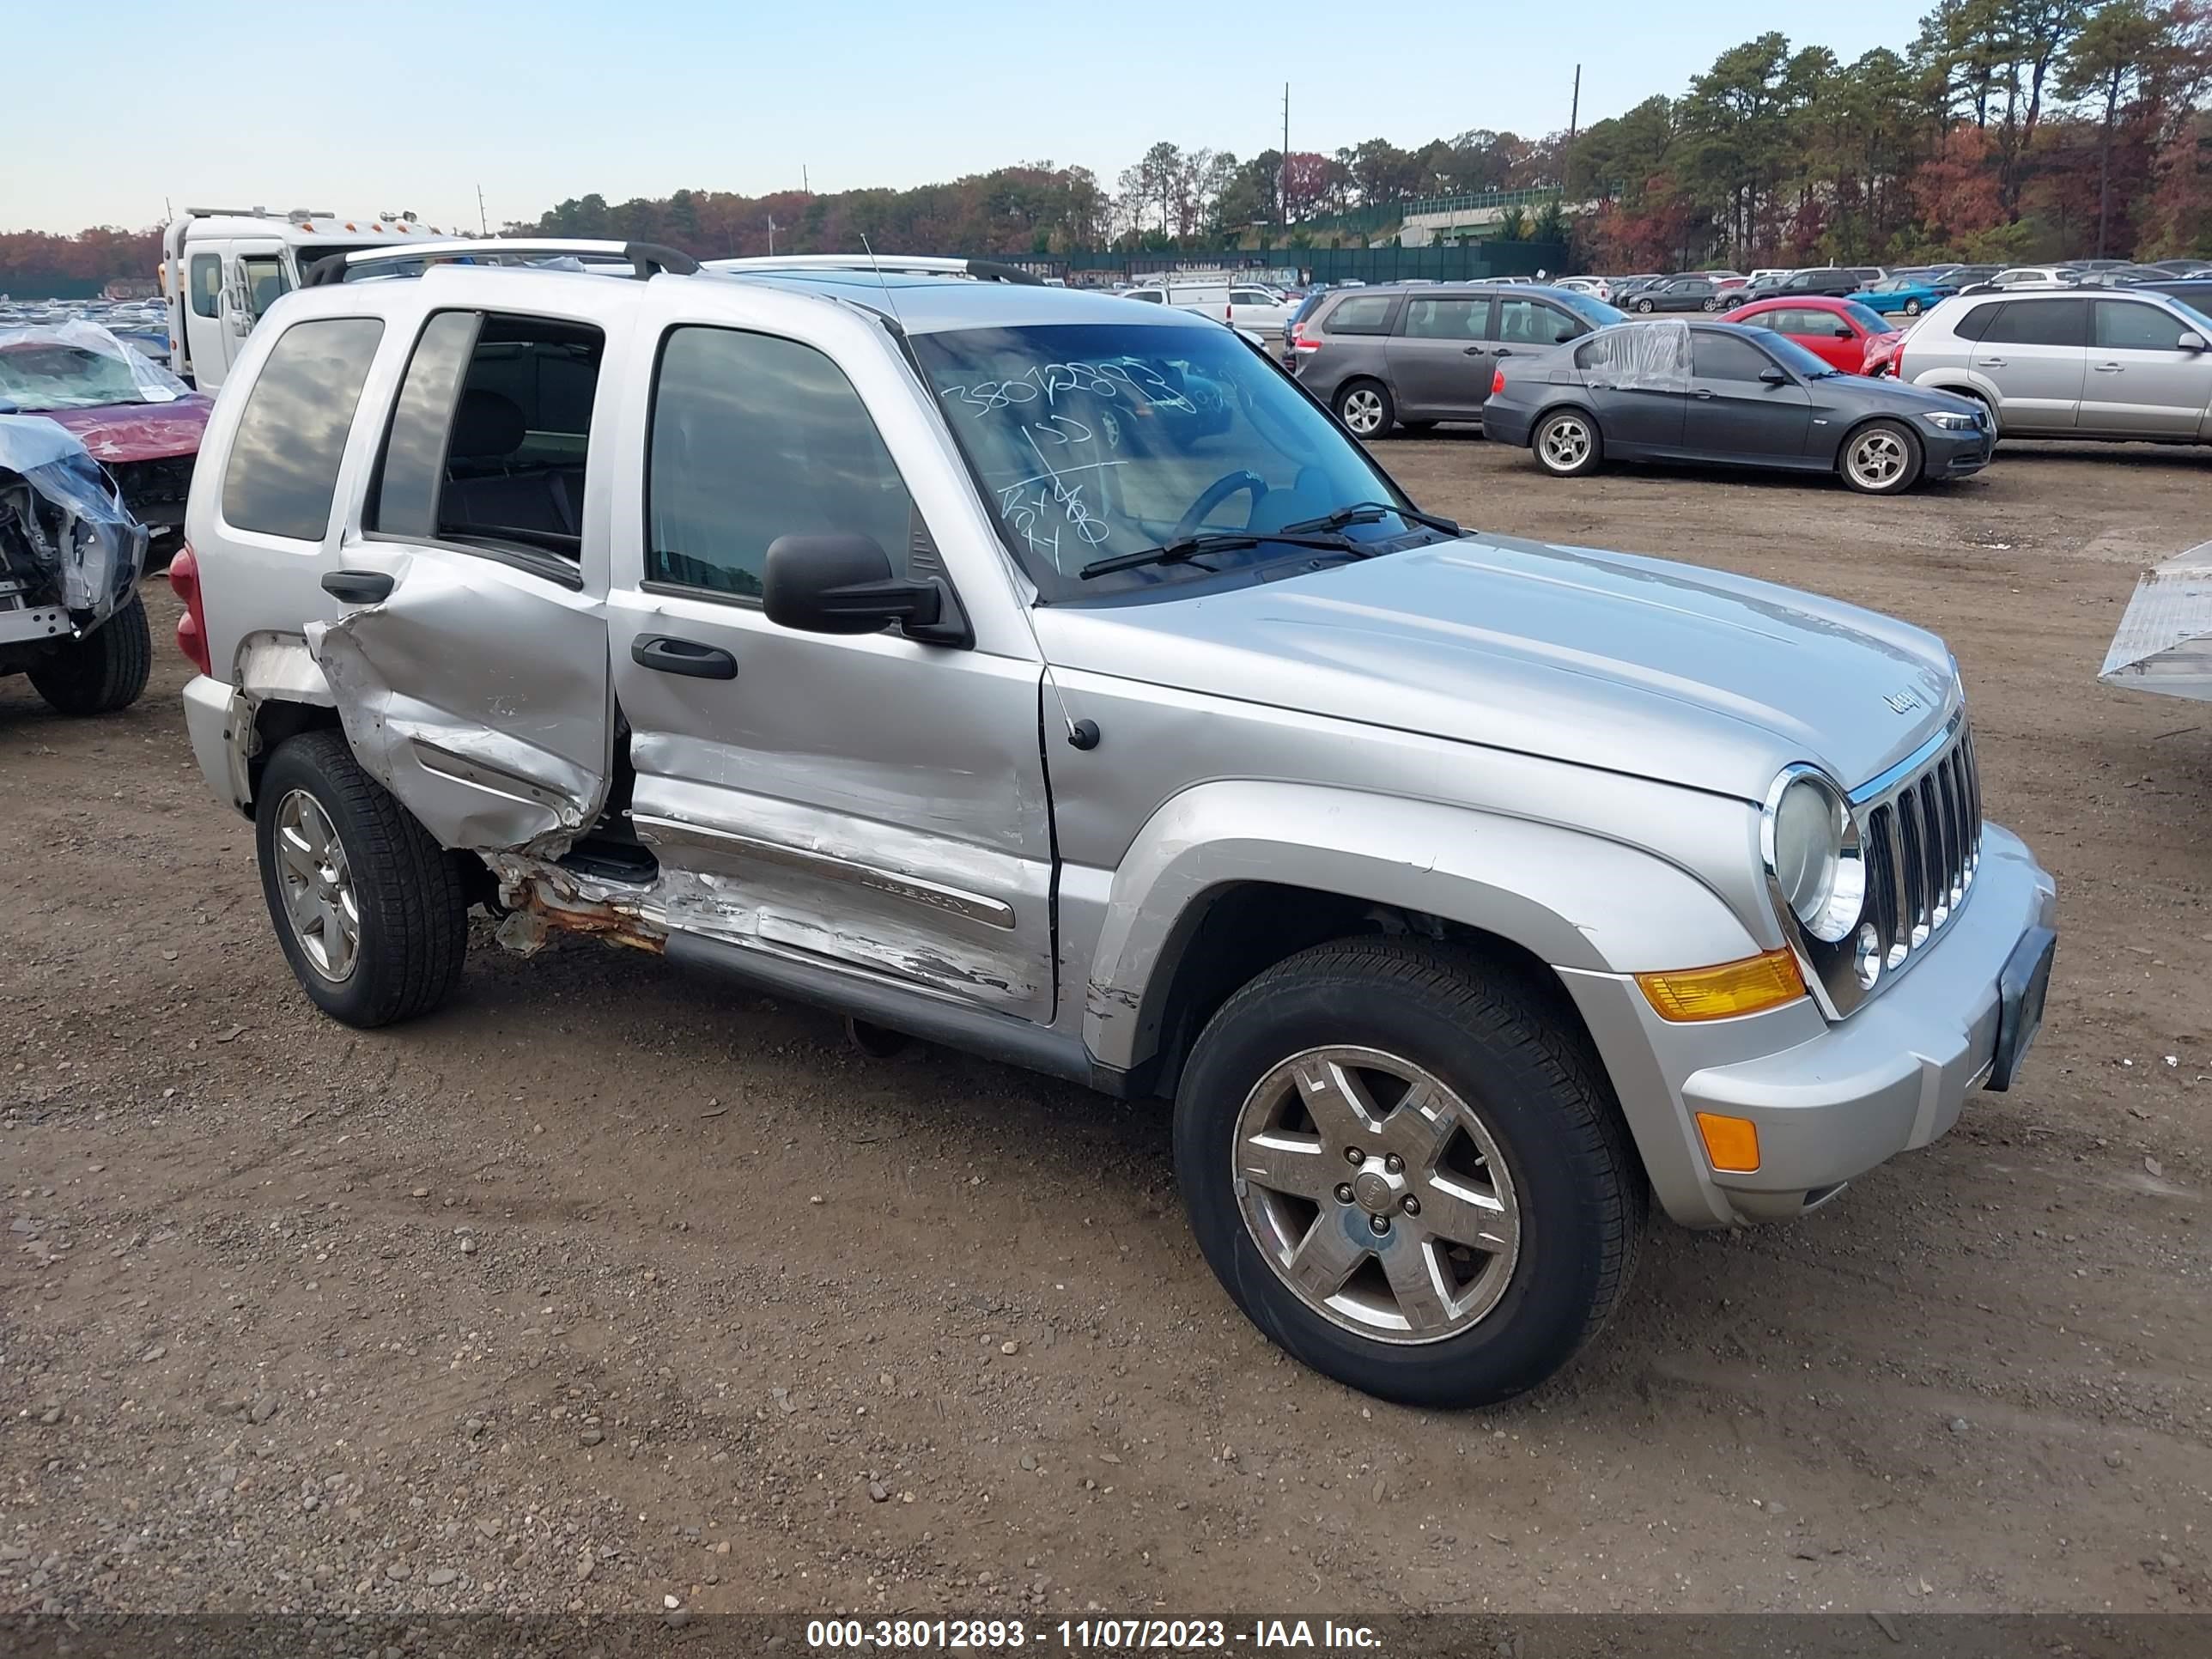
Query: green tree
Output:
(2106,60)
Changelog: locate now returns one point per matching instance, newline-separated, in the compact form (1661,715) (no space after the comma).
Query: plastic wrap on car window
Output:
(65,537)
(1638,357)
(119,373)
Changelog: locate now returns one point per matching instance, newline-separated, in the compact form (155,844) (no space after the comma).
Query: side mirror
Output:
(2191,341)
(1772,377)
(843,585)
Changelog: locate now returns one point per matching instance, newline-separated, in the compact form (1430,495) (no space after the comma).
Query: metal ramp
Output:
(2165,640)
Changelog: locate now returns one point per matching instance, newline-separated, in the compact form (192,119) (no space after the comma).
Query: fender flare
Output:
(1572,899)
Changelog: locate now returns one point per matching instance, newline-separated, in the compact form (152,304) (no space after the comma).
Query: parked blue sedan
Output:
(1909,295)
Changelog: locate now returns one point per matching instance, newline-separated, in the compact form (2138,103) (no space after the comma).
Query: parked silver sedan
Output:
(2128,365)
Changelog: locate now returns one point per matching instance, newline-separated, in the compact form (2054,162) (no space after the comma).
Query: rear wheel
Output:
(1566,443)
(103,672)
(1407,1173)
(1882,458)
(1912,307)
(1366,409)
(1645,305)
(371,912)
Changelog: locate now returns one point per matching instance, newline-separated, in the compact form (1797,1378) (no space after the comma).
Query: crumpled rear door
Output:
(477,693)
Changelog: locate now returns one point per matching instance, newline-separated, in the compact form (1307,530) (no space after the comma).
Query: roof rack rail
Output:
(645,259)
(904,265)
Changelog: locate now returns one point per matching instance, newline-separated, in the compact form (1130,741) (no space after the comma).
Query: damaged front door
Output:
(470,666)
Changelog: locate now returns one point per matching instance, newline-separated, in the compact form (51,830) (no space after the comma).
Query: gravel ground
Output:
(607,1285)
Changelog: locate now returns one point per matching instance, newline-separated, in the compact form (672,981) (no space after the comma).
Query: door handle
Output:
(1704,393)
(1476,351)
(358,586)
(2106,369)
(1990,363)
(667,655)
(1505,351)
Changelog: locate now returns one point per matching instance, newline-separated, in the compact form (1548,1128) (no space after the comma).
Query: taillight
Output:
(192,627)
(1298,341)
(1497,382)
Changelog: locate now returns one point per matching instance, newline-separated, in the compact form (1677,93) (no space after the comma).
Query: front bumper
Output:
(1832,1101)
(1957,454)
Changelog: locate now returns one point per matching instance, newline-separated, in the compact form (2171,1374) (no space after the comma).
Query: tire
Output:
(1912,307)
(1517,1086)
(1644,305)
(1713,305)
(1880,458)
(103,672)
(402,892)
(1366,409)
(1553,442)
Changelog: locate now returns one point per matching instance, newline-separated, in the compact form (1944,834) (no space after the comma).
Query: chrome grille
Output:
(1920,828)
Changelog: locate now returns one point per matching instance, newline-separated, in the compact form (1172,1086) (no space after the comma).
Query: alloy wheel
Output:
(319,901)
(1376,1194)
(1362,411)
(1565,443)
(1877,459)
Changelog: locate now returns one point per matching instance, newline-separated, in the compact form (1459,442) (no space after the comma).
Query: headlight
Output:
(1950,422)
(1811,843)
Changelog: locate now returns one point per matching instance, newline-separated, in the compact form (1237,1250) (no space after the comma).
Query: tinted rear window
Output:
(2041,322)
(1364,314)
(291,436)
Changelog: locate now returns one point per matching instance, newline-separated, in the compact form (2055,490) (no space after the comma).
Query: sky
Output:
(404,106)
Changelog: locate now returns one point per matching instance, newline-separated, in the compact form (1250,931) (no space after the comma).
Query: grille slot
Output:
(1921,835)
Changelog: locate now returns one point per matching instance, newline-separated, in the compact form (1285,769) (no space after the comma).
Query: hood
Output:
(1636,666)
(138,432)
(1905,395)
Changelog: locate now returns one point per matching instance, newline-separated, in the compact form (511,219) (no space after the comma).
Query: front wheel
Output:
(1882,458)
(1408,1172)
(370,910)
(103,672)
(1912,307)
(1566,443)
(1644,305)
(1366,409)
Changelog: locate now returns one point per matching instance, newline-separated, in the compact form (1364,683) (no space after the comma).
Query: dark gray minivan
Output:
(1410,355)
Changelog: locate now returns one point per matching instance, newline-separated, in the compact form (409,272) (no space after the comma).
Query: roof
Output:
(922,303)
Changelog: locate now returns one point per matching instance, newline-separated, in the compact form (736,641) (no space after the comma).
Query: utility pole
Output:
(1574,120)
(1283,186)
(482,224)
(805,185)
(771,235)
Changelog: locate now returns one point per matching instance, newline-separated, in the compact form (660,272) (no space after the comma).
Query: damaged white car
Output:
(71,556)
(1046,675)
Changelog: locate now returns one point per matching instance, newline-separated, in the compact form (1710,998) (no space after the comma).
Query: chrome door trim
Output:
(657,831)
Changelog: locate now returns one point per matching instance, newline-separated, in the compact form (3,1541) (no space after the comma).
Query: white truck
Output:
(222,267)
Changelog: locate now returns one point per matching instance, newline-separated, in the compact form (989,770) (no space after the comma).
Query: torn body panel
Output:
(544,898)
(70,553)
(501,737)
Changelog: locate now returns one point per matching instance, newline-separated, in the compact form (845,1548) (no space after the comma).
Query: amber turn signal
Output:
(1732,988)
(1731,1143)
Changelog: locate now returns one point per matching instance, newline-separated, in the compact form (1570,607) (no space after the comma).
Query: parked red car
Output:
(1856,338)
(137,419)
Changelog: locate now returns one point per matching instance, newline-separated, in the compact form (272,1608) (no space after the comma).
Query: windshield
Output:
(76,365)
(1098,439)
(1794,358)
(1587,306)
(1868,317)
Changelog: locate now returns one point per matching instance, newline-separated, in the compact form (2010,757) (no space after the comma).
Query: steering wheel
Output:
(1213,496)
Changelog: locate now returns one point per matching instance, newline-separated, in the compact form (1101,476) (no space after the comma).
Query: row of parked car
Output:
(1810,383)
(1908,290)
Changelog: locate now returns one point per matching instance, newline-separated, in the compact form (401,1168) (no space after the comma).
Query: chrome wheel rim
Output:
(317,880)
(1362,411)
(1877,459)
(1565,444)
(1912,307)
(1376,1195)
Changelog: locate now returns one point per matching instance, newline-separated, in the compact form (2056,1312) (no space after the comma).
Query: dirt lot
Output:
(607,1283)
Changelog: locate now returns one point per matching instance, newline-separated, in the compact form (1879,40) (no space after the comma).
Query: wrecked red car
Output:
(137,419)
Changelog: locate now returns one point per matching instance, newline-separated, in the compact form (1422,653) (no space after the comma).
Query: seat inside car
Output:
(487,492)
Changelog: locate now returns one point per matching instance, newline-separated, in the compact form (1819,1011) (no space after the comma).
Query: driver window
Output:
(756,437)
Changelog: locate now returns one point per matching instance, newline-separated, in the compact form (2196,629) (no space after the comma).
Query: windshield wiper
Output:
(1216,541)
(1368,512)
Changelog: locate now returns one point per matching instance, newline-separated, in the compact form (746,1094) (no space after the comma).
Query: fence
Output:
(1472,263)
(1375,215)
